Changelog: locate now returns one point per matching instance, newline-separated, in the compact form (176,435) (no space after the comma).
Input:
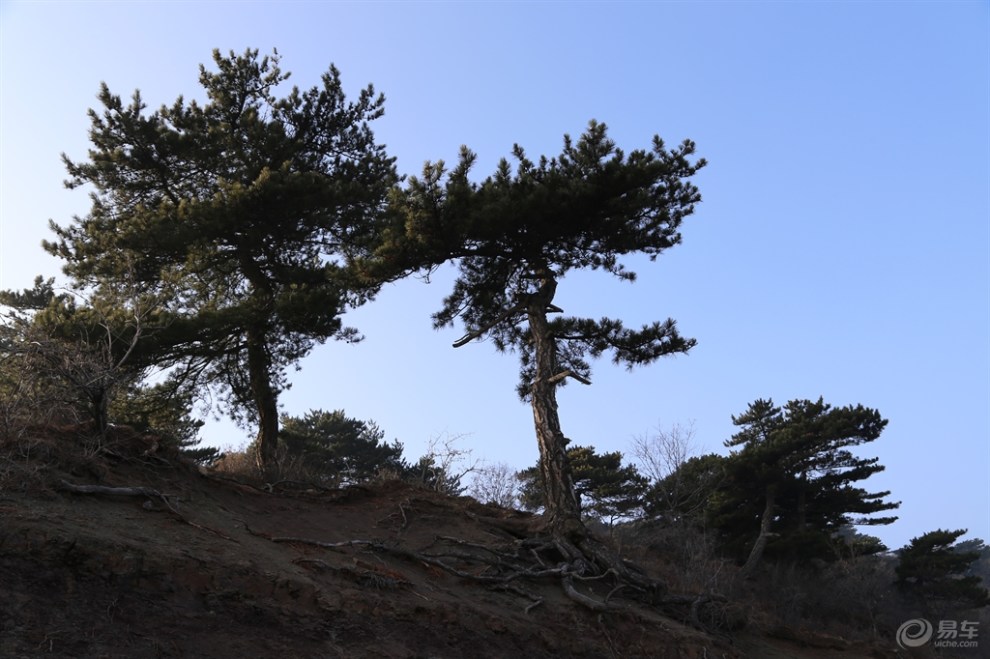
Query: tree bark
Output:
(265,398)
(802,503)
(99,404)
(756,554)
(563,508)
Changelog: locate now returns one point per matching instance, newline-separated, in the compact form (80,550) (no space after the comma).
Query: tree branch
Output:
(474,334)
(568,373)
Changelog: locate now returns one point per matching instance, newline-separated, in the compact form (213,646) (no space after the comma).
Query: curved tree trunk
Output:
(99,404)
(265,398)
(563,508)
(756,554)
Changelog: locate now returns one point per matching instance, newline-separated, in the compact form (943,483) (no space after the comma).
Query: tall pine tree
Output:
(239,216)
(515,235)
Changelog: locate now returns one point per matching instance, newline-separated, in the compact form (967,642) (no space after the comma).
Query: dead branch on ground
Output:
(119,491)
(148,492)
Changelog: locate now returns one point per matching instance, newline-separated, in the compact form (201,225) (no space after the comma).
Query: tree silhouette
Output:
(931,568)
(340,449)
(238,217)
(515,235)
(790,481)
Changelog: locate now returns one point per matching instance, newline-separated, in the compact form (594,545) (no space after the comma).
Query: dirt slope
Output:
(211,570)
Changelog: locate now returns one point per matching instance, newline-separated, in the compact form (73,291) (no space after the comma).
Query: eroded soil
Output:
(212,570)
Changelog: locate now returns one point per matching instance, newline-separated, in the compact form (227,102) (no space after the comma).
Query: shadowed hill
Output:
(117,551)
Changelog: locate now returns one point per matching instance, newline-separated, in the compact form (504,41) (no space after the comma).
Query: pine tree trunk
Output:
(99,401)
(563,508)
(802,503)
(265,398)
(756,555)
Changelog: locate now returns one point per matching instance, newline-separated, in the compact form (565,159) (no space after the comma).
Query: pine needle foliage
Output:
(792,479)
(516,234)
(238,217)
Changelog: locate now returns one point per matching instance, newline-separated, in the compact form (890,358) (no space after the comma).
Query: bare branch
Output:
(663,453)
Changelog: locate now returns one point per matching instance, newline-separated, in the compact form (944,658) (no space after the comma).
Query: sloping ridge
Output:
(213,568)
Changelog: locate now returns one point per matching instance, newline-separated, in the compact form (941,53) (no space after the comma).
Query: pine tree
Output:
(72,353)
(338,448)
(932,569)
(238,218)
(607,489)
(686,493)
(514,237)
(165,410)
(790,479)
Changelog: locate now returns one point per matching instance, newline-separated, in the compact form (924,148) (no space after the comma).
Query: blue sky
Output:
(842,248)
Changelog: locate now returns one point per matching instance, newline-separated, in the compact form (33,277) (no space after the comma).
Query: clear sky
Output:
(842,248)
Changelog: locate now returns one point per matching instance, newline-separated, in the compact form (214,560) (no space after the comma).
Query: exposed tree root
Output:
(119,491)
(528,553)
(294,485)
(116,491)
(582,599)
(287,487)
(535,600)
(536,559)
(360,572)
(150,493)
(402,512)
(517,528)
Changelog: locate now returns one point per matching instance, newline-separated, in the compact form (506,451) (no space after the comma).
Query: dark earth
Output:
(199,565)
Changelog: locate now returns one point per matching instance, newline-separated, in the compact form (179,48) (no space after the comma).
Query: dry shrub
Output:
(495,484)
(242,465)
(25,462)
(857,594)
(858,598)
(682,554)
(683,557)
(853,598)
(238,464)
(387,475)
(36,457)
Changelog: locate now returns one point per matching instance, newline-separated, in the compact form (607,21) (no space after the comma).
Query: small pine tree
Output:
(338,448)
(934,571)
(165,410)
(608,490)
(686,493)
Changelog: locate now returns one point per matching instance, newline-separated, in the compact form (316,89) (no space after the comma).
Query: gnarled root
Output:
(581,566)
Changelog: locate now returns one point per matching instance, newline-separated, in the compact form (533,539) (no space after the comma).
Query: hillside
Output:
(216,568)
